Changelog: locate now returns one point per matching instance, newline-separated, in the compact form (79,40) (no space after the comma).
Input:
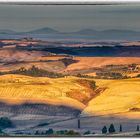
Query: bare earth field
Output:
(89,62)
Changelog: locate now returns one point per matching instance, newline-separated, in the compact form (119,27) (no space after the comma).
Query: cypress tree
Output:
(104,130)
(138,129)
(120,128)
(37,133)
(79,123)
(111,129)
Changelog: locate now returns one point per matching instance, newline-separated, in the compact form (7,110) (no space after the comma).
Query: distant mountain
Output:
(111,31)
(6,31)
(119,31)
(45,30)
(87,31)
(112,34)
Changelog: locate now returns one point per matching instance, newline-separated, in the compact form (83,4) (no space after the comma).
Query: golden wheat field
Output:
(120,98)
(88,62)
(16,89)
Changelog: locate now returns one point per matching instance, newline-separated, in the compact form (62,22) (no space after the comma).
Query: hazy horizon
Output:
(70,18)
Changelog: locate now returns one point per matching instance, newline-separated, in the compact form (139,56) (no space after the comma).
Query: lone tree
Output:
(104,130)
(111,129)
(79,123)
(138,128)
(120,128)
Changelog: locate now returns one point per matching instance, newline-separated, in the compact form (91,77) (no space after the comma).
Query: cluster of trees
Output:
(107,75)
(34,71)
(110,75)
(111,129)
(85,76)
(51,132)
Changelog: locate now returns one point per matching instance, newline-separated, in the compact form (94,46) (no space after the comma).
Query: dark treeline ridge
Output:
(35,72)
(104,76)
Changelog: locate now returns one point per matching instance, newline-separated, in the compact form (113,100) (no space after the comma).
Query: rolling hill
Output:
(19,89)
(101,61)
(110,97)
(121,98)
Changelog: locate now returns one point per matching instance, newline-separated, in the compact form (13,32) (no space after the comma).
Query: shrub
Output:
(87,132)
(5,123)
(49,132)
(72,133)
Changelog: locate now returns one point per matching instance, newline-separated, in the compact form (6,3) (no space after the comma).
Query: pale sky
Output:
(70,18)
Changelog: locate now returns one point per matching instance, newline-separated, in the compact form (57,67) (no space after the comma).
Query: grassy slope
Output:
(118,98)
(15,89)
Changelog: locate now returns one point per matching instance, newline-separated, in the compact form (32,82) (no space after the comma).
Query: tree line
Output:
(35,72)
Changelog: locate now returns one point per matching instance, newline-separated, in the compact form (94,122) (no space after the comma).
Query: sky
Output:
(70,17)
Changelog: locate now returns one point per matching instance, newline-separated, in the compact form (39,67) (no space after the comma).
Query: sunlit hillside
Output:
(109,97)
(88,62)
(122,98)
(69,91)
